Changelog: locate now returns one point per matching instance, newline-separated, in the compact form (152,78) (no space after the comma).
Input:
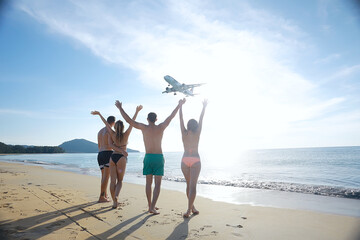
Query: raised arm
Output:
(172,115)
(182,126)
(138,109)
(202,114)
(130,121)
(103,119)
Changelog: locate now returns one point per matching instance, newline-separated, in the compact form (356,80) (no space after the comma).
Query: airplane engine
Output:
(167,89)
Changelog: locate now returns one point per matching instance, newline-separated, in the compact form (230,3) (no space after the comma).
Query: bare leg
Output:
(120,171)
(149,179)
(194,175)
(104,182)
(186,171)
(113,179)
(191,175)
(156,194)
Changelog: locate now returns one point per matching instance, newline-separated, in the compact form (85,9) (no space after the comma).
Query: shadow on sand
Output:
(181,231)
(124,234)
(46,223)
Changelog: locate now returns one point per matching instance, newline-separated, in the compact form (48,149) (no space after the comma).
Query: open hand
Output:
(138,108)
(182,101)
(118,104)
(205,102)
(95,113)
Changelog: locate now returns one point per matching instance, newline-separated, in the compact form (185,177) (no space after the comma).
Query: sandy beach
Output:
(38,203)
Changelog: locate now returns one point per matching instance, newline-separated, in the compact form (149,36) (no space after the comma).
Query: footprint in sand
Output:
(7,205)
(237,226)
(237,234)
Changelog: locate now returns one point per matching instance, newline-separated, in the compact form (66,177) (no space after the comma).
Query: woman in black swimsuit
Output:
(118,140)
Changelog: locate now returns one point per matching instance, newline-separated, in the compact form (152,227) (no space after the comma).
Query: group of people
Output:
(112,156)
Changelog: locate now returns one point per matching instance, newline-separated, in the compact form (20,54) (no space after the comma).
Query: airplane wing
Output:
(188,93)
(193,85)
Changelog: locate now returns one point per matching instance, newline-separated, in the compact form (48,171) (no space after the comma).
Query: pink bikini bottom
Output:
(189,161)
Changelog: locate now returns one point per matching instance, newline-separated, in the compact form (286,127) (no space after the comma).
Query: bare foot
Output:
(194,211)
(156,208)
(103,199)
(115,205)
(154,212)
(187,214)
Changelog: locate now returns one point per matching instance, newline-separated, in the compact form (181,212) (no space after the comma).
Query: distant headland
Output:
(72,146)
(83,146)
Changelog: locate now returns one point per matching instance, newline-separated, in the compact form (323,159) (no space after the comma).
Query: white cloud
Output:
(327,59)
(346,71)
(245,60)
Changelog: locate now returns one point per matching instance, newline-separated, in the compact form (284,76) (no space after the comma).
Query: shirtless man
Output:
(103,158)
(154,159)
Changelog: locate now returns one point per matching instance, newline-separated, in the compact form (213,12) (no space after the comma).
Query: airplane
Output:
(186,89)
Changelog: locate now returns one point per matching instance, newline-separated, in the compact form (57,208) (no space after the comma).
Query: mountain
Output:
(4,148)
(83,146)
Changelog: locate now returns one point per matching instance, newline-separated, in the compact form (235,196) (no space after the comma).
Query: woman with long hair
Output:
(190,163)
(118,141)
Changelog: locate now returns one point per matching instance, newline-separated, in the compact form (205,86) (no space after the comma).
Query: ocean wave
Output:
(324,190)
(32,162)
(331,191)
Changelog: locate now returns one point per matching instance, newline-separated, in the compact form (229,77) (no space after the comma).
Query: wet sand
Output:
(38,203)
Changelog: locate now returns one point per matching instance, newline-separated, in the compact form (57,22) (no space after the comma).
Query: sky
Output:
(278,74)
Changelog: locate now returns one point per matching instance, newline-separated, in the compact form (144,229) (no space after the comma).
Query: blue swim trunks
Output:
(153,164)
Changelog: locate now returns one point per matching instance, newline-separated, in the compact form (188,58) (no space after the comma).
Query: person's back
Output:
(191,143)
(152,135)
(103,142)
(122,144)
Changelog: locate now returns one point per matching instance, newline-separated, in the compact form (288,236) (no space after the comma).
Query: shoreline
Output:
(240,195)
(38,202)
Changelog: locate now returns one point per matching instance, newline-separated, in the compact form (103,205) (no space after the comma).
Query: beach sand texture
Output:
(37,203)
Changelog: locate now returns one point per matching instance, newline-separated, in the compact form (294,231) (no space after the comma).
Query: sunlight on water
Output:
(320,171)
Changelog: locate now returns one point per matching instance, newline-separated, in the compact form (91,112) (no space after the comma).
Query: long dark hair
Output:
(119,130)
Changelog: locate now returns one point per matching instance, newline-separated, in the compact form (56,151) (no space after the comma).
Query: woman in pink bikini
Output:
(190,163)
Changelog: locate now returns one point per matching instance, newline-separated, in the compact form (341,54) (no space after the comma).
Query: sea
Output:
(316,179)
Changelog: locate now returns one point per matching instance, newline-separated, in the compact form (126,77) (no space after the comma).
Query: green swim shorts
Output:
(153,164)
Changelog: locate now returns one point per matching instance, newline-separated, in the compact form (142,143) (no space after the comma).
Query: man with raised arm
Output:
(103,158)
(154,159)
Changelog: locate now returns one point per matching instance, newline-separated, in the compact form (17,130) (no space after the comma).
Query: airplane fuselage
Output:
(172,81)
